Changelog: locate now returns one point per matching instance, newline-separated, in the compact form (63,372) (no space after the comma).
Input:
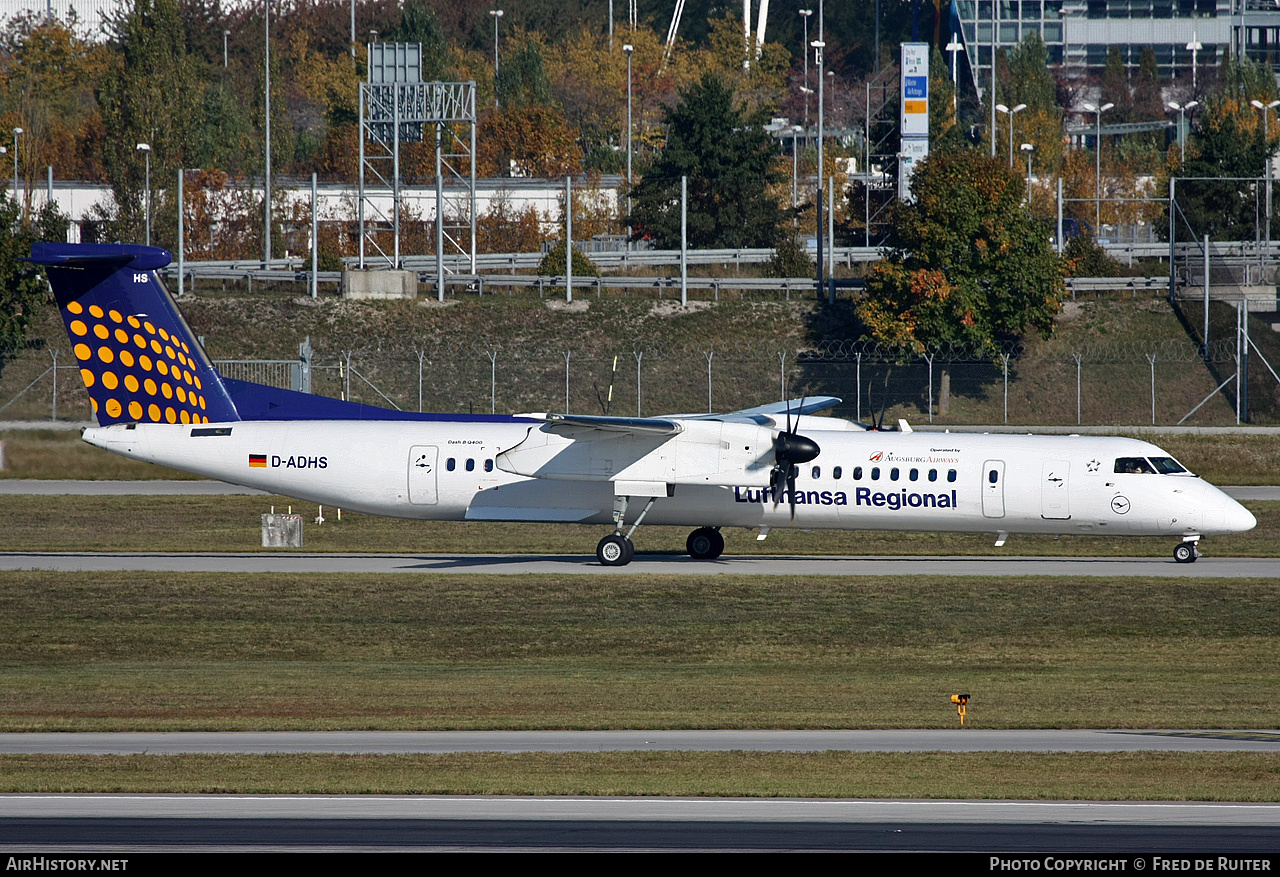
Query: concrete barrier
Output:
(281,531)
(379,284)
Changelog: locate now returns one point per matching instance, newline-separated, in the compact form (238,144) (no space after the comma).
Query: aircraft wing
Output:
(581,426)
(767,414)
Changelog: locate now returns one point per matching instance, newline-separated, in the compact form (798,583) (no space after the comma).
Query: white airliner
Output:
(158,398)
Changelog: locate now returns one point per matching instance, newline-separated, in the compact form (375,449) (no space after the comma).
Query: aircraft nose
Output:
(1238,518)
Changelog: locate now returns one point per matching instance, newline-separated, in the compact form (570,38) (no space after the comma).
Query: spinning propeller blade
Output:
(790,450)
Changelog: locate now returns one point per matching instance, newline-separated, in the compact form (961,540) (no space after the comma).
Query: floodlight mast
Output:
(1097,162)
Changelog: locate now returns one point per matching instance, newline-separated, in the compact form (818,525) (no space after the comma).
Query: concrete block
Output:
(379,284)
(282,531)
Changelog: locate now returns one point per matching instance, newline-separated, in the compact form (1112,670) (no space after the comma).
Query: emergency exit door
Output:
(422,475)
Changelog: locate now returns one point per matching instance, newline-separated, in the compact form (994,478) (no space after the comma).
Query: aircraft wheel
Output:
(1186,553)
(705,543)
(615,550)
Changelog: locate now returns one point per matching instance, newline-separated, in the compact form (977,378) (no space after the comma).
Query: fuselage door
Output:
(422,475)
(993,488)
(1054,490)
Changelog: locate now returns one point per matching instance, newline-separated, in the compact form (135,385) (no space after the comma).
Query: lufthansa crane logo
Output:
(1120,505)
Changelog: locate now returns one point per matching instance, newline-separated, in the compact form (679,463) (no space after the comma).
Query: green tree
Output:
(968,264)
(1148,103)
(729,160)
(22,285)
(1027,78)
(1229,143)
(418,24)
(522,77)
(1115,88)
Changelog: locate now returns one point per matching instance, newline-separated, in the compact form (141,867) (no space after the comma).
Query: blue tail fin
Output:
(138,358)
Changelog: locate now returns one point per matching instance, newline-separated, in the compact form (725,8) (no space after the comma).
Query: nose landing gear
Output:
(1187,551)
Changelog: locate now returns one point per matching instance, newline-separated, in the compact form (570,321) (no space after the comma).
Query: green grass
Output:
(996,775)
(130,651)
(234,523)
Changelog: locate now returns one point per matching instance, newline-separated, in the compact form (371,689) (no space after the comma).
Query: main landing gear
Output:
(705,543)
(1187,551)
(616,549)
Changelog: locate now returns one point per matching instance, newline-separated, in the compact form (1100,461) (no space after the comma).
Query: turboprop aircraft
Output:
(157,397)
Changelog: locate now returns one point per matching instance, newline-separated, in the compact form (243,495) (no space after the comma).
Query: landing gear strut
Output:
(705,543)
(617,549)
(1186,552)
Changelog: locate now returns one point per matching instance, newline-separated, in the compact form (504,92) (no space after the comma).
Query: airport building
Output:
(1079,33)
(90,14)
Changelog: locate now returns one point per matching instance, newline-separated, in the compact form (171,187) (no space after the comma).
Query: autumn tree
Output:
(150,94)
(968,264)
(47,75)
(1027,80)
(729,161)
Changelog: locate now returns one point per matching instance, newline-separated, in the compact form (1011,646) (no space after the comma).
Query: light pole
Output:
(353,29)
(995,36)
(145,149)
(1194,48)
(1097,163)
(954,48)
(1028,149)
(225,34)
(495,14)
(1266,139)
(795,173)
(1182,126)
(805,13)
(1010,112)
(818,46)
(628,49)
(266,182)
(16,132)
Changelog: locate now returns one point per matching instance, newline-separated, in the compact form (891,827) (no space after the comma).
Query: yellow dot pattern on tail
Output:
(159,386)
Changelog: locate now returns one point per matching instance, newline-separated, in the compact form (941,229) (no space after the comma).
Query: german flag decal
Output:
(257,461)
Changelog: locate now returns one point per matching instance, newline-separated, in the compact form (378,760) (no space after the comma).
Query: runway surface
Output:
(66,487)
(67,823)
(399,742)
(644,564)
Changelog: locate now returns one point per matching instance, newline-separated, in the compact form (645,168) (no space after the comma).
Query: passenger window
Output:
(1133,466)
(933,474)
(451,464)
(815,473)
(836,472)
(875,473)
(915,474)
(993,476)
(951,475)
(488,465)
(893,474)
(471,465)
(857,473)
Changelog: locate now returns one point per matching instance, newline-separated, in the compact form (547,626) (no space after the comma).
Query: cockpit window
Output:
(1167,465)
(1133,466)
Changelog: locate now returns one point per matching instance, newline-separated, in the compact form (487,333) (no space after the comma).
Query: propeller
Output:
(790,450)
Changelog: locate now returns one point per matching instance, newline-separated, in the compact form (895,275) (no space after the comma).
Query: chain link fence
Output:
(1047,384)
